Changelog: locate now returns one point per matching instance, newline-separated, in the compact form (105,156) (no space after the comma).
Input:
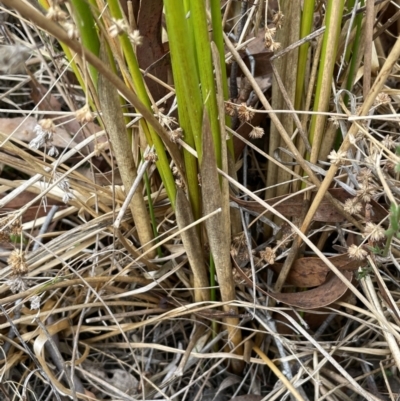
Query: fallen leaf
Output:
(35,211)
(42,98)
(152,50)
(326,212)
(312,271)
(324,295)
(22,129)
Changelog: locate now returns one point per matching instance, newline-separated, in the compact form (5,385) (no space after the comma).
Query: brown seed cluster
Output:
(9,227)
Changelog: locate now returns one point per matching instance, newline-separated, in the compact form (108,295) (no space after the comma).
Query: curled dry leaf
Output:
(325,212)
(324,295)
(312,272)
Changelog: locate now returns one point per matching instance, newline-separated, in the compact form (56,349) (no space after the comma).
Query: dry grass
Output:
(90,310)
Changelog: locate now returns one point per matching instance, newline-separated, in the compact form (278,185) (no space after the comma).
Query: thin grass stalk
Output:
(198,19)
(334,15)
(140,88)
(307,19)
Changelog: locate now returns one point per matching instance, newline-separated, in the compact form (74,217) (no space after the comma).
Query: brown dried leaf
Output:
(325,212)
(192,244)
(312,272)
(151,52)
(44,101)
(35,211)
(22,128)
(324,295)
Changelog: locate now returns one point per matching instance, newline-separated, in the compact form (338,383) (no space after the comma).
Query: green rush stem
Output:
(140,89)
(88,32)
(307,19)
(198,19)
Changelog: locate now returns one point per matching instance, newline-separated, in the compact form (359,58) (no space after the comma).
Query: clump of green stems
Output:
(188,27)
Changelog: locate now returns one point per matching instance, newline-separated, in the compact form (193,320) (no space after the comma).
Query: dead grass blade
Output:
(218,231)
(193,247)
(115,125)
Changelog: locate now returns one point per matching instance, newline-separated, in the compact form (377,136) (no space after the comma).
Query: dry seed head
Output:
(371,159)
(165,121)
(47,125)
(56,14)
(84,115)
(135,38)
(7,228)
(244,113)
(175,135)
(238,278)
(35,302)
(357,137)
(239,240)
(151,157)
(389,142)
(17,263)
(230,109)
(270,43)
(356,252)
(337,158)
(44,136)
(390,167)
(335,121)
(374,232)
(72,32)
(17,284)
(268,255)
(278,19)
(117,28)
(366,192)
(275,46)
(352,206)
(256,132)
(64,186)
(365,175)
(180,183)
(382,98)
